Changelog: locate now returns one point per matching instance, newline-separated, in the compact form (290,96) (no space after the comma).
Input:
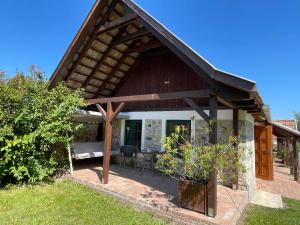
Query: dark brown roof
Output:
(110,41)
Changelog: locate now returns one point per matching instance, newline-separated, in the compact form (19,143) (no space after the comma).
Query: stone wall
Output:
(247,181)
(153,134)
(201,131)
(224,133)
(87,133)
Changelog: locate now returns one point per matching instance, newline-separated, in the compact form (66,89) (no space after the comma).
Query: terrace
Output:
(157,193)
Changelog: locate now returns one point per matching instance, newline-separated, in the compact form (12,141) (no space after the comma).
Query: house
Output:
(292,124)
(128,62)
(288,123)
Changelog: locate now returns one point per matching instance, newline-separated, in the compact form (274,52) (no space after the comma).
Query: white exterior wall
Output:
(169,115)
(246,131)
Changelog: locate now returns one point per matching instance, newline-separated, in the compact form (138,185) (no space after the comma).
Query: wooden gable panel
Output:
(159,74)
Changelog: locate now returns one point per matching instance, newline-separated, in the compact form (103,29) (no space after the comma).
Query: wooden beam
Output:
(226,102)
(118,110)
(93,37)
(107,143)
(145,47)
(76,44)
(118,23)
(99,107)
(109,117)
(235,133)
(295,159)
(111,74)
(197,108)
(287,152)
(244,103)
(132,36)
(291,156)
(213,139)
(103,58)
(153,97)
(213,116)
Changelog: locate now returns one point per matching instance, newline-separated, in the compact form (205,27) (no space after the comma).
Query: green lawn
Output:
(65,202)
(290,215)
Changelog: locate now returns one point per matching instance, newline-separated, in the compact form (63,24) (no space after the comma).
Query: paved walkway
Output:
(158,194)
(283,183)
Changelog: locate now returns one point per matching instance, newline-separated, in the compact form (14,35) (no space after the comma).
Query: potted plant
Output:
(193,164)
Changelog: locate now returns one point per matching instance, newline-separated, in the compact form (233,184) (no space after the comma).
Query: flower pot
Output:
(193,195)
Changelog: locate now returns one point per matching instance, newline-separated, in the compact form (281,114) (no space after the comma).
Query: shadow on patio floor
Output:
(158,192)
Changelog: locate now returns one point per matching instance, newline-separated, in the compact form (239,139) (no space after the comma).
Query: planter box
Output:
(193,196)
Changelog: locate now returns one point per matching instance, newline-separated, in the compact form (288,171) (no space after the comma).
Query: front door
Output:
(263,152)
(133,132)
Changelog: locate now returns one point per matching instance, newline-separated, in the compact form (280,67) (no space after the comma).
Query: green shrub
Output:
(184,160)
(33,121)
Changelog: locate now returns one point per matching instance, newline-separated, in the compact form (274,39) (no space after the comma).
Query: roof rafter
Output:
(118,23)
(103,58)
(111,74)
(133,36)
(147,46)
(93,37)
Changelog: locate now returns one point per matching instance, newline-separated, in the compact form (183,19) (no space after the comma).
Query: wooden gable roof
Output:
(110,42)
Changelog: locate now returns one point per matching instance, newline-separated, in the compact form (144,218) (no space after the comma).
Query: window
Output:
(186,124)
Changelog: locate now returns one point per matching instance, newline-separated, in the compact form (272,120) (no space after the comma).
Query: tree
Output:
(33,121)
(297,117)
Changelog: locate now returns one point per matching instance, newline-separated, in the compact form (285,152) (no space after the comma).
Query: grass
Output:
(290,215)
(65,202)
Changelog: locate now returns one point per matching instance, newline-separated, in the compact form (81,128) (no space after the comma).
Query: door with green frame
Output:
(133,133)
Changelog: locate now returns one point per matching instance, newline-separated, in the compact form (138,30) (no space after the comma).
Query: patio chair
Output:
(128,152)
(149,161)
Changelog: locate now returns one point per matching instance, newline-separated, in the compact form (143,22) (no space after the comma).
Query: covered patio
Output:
(157,193)
(126,61)
(283,183)
(287,139)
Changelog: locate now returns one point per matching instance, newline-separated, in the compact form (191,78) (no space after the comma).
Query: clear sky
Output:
(259,40)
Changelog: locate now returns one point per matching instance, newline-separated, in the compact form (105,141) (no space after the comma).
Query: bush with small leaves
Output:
(33,121)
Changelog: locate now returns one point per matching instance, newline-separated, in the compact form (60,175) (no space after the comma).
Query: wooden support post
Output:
(279,148)
(295,159)
(235,133)
(286,153)
(109,115)
(291,156)
(213,139)
(107,143)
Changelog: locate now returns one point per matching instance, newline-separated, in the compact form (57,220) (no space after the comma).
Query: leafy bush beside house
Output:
(184,160)
(33,121)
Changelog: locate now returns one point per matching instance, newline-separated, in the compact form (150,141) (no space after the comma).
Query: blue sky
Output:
(259,40)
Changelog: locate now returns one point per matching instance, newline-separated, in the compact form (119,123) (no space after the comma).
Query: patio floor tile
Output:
(283,183)
(158,193)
